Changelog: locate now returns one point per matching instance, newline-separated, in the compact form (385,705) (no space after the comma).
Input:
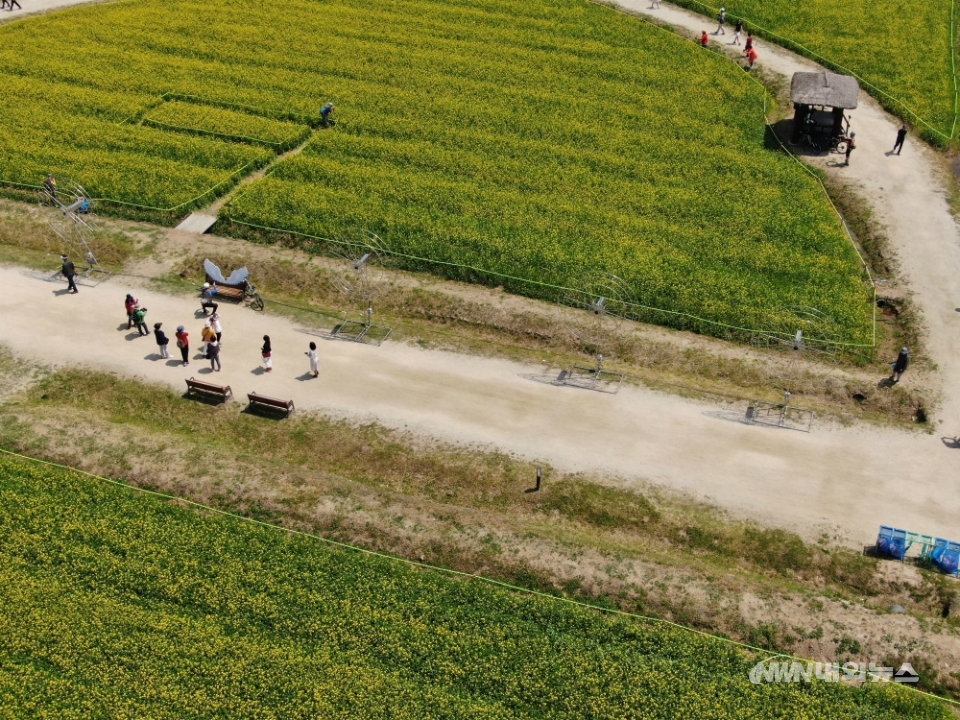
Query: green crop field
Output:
(904,50)
(533,145)
(118,604)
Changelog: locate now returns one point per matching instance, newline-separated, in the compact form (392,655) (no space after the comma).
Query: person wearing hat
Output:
(69,271)
(851,146)
(183,342)
(325,113)
(721,21)
(206,298)
(900,365)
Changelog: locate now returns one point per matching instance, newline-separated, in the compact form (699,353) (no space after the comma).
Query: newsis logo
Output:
(783,671)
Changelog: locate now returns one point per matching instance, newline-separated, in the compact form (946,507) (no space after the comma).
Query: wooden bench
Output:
(270,403)
(228,293)
(222,392)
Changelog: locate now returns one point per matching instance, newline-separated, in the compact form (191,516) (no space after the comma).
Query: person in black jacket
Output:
(213,352)
(900,365)
(69,272)
(162,340)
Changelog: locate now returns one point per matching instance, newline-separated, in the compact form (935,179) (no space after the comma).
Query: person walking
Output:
(183,342)
(130,304)
(14,2)
(213,353)
(749,44)
(751,58)
(900,365)
(206,298)
(654,5)
(721,21)
(140,320)
(738,28)
(69,271)
(704,39)
(217,327)
(266,352)
(851,146)
(314,359)
(162,340)
(325,113)
(901,136)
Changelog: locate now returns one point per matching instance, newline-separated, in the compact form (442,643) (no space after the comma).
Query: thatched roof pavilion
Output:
(825,89)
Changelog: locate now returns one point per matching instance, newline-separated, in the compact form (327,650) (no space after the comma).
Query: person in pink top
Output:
(183,342)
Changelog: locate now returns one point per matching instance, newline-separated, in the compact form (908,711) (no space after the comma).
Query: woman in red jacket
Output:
(183,342)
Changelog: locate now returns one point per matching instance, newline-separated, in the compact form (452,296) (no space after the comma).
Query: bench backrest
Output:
(264,400)
(201,385)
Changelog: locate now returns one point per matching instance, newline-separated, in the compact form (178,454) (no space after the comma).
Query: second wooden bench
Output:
(270,403)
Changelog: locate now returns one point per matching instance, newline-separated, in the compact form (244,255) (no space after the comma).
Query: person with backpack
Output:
(213,354)
(207,335)
(69,271)
(721,21)
(130,304)
(139,319)
(325,113)
(183,342)
(162,340)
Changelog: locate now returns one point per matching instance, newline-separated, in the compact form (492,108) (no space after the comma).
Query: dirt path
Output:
(847,478)
(906,193)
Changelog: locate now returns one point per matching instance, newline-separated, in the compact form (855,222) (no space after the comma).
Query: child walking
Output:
(314,359)
(130,304)
(267,353)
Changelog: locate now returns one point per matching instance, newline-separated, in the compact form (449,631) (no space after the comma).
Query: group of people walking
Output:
(749,51)
(211,336)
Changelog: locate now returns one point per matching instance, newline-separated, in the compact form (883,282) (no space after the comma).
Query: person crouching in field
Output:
(162,340)
(325,112)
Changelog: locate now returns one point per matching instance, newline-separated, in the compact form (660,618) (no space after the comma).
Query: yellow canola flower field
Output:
(114,603)
(533,145)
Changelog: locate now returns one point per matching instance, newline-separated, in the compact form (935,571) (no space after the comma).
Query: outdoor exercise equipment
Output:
(363,283)
(901,544)
(74,226)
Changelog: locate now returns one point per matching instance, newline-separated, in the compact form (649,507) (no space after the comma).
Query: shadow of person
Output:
(889,153)
(305,376)
(952,443)
(64,291)
(174,363)
(132,336)
(258,371)
(123,326)
(887,382)
(204,371)
(153,356)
